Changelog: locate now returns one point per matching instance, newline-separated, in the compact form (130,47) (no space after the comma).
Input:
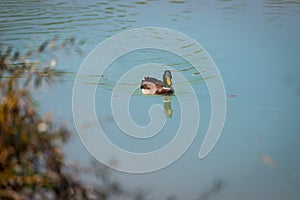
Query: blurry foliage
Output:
(32,165)
(216,187)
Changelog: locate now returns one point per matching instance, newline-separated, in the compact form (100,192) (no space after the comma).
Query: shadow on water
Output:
(216,187)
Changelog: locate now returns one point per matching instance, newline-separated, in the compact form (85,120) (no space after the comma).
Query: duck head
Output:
(167,78)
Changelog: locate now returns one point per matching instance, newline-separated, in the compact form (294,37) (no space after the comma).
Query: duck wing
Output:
(153,80)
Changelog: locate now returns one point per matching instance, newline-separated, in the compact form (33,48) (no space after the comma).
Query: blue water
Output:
(255,45)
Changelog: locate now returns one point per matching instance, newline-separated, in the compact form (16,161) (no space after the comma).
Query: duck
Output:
(153,86)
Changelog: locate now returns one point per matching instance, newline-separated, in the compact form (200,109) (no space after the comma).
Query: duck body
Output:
(153,86)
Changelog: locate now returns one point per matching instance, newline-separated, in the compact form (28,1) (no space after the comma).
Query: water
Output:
(255,45)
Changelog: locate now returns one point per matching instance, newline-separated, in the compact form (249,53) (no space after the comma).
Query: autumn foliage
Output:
(32,164)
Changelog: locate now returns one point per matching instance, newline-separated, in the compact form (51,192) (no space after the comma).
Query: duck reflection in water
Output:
(168,106)
(153,86)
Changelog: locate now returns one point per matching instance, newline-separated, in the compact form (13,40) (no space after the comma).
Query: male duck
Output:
(154,86)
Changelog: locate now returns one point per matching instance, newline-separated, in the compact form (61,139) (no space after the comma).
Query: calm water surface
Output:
(256,46)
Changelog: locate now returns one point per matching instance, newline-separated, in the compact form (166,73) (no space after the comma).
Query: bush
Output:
(32,164)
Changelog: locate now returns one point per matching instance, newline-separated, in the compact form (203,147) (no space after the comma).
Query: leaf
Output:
(16,56)
(37,81)
(43,46)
